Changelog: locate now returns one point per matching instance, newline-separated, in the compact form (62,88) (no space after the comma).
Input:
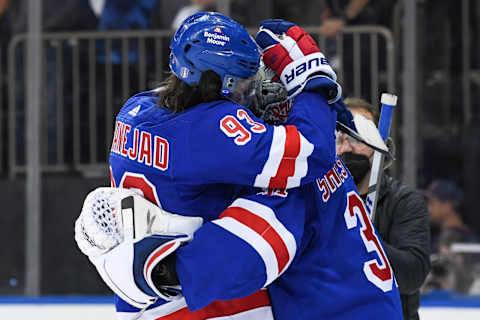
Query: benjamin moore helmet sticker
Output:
(216,37)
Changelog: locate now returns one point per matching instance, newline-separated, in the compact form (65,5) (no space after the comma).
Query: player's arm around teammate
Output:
(144,253)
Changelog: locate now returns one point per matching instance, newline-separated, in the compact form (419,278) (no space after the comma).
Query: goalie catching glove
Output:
(131,242)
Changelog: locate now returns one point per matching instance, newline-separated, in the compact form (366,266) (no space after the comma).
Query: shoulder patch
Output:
(135,110)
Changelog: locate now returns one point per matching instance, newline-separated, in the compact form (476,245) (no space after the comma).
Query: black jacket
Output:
(402,221)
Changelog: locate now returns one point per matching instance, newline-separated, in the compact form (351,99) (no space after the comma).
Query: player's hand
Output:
(296,59)
(127,238)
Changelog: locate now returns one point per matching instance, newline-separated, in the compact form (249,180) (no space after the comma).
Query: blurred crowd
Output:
(125,15)
(74,15)
(444,132)
(455,259)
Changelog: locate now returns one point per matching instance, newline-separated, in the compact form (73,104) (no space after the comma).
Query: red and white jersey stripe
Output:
(287,160)
(257,224)
(253,307)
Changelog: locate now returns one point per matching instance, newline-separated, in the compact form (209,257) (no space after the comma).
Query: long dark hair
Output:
(179,96)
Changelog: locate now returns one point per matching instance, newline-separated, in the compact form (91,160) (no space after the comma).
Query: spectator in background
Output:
(444,200)
(247,12)
(194,7)
(401,216)
(67,15)
(57,16)
(354,12)
(116,15)
(125,14)
(4,23)
(114,88)
(251,12)
(305,13)
(3,6)
(97,6)
(341,13)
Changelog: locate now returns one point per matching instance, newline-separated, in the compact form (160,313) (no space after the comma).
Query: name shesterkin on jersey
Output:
(145,149)
(332,180)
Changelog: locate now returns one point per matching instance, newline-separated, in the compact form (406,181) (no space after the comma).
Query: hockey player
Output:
(187,162)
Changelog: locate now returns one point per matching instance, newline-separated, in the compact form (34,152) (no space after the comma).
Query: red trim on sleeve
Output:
(222,308)
(264,229)
(287,165)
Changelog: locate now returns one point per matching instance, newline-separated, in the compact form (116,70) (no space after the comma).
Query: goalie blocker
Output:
(130,241)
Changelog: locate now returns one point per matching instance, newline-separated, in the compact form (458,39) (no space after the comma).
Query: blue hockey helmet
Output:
(212,41)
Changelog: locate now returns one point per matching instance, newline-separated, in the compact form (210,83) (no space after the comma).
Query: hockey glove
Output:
(131,242)
(294,56)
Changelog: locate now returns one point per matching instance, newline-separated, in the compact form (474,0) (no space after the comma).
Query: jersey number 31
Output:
(380,274)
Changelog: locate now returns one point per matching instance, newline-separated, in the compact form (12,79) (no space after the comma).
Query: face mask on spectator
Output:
(357,164)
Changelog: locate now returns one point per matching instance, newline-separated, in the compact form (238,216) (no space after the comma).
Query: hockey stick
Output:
(389,101)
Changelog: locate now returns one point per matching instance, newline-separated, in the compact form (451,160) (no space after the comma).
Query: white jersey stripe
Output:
(275,156)
(301,163)
(269,215)
(256,241)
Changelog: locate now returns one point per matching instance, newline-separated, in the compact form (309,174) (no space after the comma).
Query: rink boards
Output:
(101,308)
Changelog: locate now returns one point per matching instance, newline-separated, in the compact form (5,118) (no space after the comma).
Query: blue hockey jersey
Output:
(222,142)
(315,250)
(295,242)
